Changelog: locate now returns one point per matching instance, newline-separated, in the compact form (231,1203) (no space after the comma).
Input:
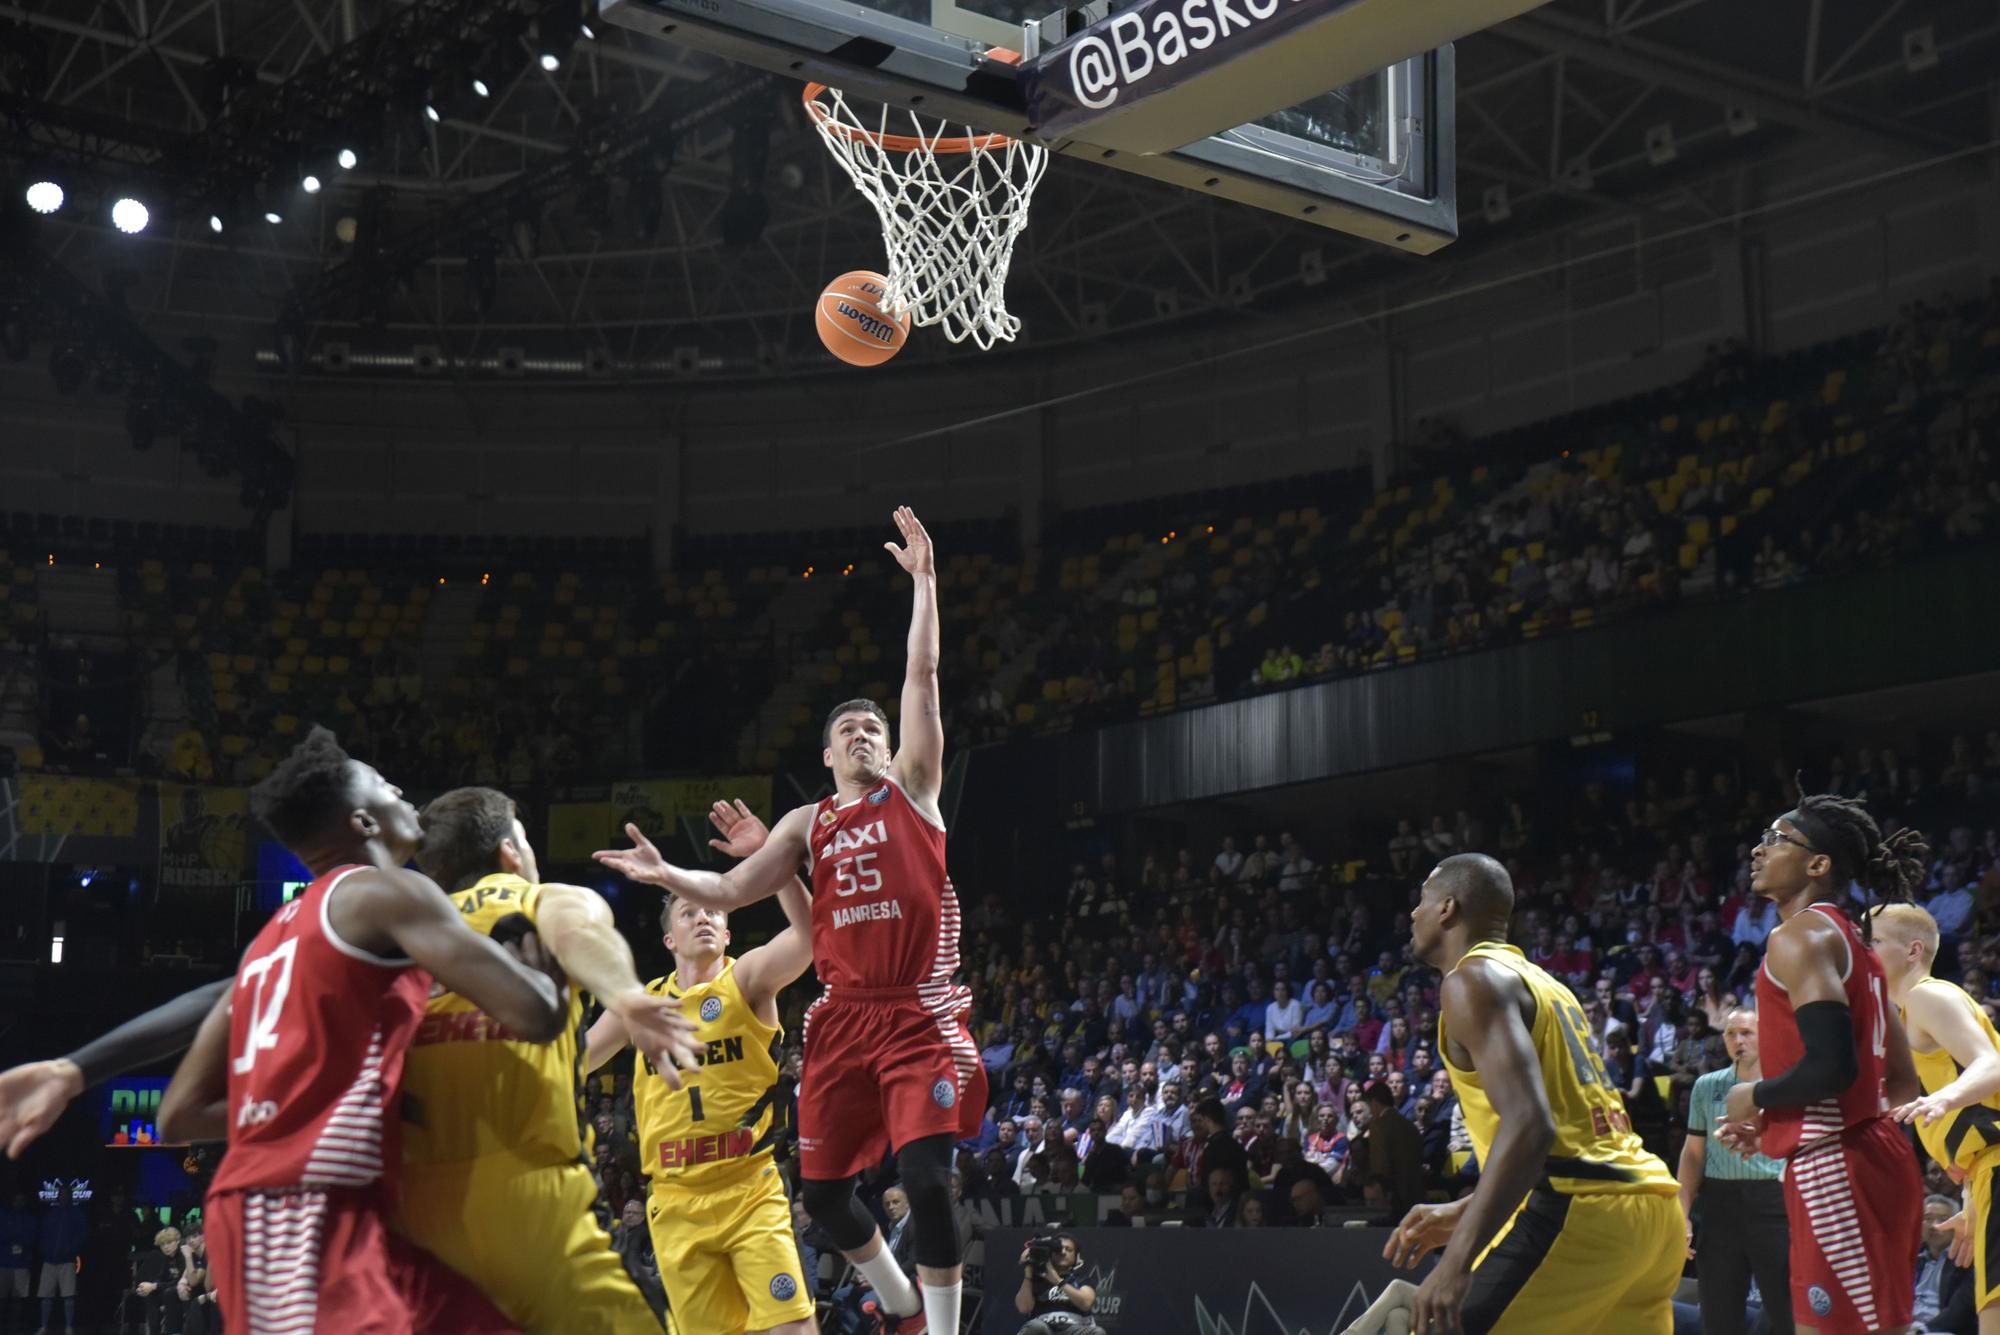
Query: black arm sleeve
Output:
(163,1032)
(1829,1066)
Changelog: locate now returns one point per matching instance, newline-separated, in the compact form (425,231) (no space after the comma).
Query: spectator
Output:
(1210,1148)
(159,1273)
(1283,1017)
(1945,1291)
(1309,1204)
(1055,1297)
(199,1313)
(1225,1192)
(1391,1148)
(1229,862)
(1250,1212)
(18,1234)
(64,1229)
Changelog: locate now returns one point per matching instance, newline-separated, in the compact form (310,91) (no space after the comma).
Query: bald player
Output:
(1573,1227)
(1957,1055)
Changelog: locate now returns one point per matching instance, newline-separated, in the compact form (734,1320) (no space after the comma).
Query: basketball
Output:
(854,319)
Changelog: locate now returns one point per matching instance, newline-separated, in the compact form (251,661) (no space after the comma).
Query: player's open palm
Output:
(915,554)
(742,833)
(31,1098)
(641,862)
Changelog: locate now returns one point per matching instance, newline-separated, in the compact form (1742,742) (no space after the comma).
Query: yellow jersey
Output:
(1595,1150)
(723,1120)
(470,1088)
(1959,1137)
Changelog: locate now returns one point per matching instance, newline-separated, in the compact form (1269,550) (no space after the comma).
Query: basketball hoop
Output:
(950,206)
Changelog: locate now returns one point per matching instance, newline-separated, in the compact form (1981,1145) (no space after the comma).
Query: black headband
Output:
(1817,832)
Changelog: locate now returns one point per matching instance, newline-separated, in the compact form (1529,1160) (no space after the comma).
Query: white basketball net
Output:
(950,207)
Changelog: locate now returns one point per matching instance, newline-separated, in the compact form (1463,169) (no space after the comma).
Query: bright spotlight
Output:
(588,35)
(347,159)
(272,217)
(45,196)
(310,184)
(479,87)
(551,61)
(431,112)
(129,216)
(215,222)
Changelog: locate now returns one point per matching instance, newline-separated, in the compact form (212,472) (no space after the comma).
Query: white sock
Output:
(941,1307)
(891,1285)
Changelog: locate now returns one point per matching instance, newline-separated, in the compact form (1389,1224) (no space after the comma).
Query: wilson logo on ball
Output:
(856,322)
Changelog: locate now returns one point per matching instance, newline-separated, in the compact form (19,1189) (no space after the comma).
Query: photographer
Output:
(1049,1291)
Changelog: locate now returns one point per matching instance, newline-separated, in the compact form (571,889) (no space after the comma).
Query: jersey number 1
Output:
(269,979)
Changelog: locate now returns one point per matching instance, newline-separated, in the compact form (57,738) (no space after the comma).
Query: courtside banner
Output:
(1161,74)
(1205,1281)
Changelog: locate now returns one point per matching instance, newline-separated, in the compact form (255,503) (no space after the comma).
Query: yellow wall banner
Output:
(204,836)
(68,804)
(595,818)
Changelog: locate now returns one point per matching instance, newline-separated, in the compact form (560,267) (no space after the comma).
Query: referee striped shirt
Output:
(1722,1164)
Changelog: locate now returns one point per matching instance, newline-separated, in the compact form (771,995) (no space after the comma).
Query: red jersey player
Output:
(313,1034)
(888,1061)
(1853,1193)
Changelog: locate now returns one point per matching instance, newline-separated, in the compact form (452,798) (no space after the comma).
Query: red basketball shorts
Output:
(298,1262)
(1855,1203)
(884,1068)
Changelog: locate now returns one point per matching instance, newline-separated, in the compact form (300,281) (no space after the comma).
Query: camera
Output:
(1042,1250)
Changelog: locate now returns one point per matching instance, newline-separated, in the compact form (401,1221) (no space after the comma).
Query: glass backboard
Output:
(1373,158)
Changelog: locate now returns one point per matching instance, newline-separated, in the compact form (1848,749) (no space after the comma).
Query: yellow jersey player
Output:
(1573,1227)
(721,1225)
(496,1177)
(1957,1054)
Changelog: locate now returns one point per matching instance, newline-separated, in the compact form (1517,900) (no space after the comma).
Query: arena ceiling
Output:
(515,234)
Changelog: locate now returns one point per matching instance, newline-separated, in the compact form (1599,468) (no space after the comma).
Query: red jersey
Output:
(884,913)
(317,1033)
(1779,1047)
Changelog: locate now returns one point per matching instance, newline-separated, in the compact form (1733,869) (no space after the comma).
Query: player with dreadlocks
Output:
(1824,1023)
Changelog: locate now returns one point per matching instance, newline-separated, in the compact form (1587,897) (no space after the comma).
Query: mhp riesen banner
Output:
(1163,73)
(1200,1281)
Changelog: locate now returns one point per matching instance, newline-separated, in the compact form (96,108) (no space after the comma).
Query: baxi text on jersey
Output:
(867,912)
(872,835)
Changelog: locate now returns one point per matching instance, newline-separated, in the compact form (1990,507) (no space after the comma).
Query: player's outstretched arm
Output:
(1950,1021)
(32,1096)
(762,973)
(196,1104)
(409,909)
(919,763)
(605,1040)
(758,876)
(582,934)
(1481,1009)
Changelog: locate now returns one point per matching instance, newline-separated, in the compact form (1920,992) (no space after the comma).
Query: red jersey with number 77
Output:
(318,1029)
(1779,1047)
(884,912)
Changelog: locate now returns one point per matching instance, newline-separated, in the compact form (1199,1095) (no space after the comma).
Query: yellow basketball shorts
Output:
(1980,1189)
(727,1255)
(1580,1265)
(528,1235)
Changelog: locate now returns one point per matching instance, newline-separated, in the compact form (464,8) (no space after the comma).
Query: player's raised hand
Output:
(657,1028)
(915,554)
(641,862)
(742,833)
(31,1098)
(1928,1107)
(1960,1228)
(1423,1230)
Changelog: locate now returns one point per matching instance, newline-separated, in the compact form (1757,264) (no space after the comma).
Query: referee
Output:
(1741,1201)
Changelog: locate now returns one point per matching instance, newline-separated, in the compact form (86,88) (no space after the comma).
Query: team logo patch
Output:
(711,1009)
(827,817)
(1820,1299)
(783,1287)
(944,1093)
(879,796)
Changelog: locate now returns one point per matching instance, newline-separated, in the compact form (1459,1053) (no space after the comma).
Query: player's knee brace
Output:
(832,1206)
(925,1168)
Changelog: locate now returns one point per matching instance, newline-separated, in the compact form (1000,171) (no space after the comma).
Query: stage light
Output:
(479,87)
(129,216)
(272,217)
(347,159)
(585,29)
(310,184)
(45,196)
(215,223)
(431,113)
(551,61)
